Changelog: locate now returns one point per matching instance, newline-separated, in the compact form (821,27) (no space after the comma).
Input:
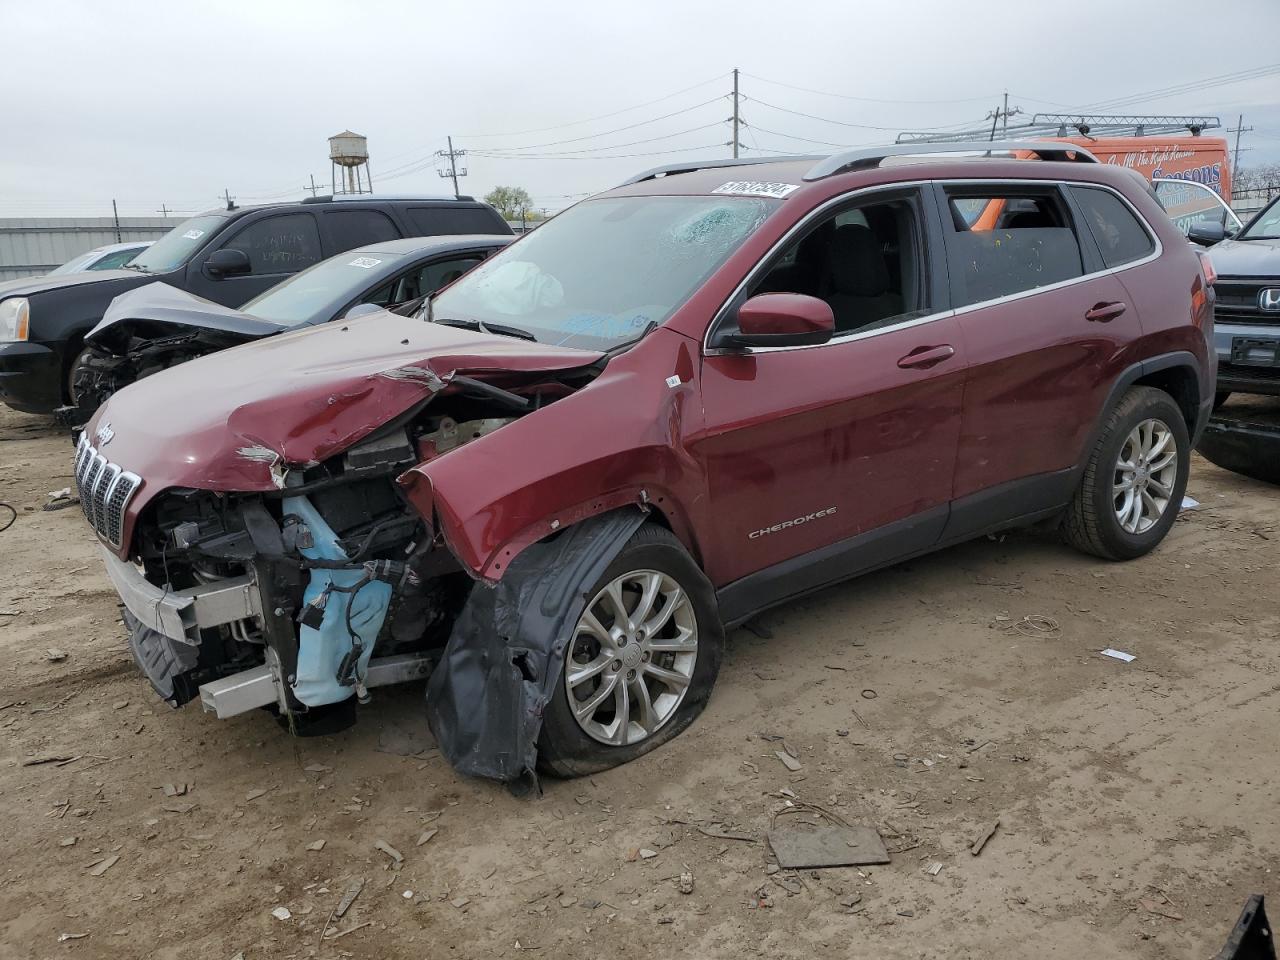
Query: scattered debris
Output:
(102,866)
(725,834)
(254,794)
(460,902)
(1188,503)
(348,898)
(317,768)
(426,836)
(841,845)
(567,901)
(408,894)
(788,761)
(852,900)
(64,937)
(686,882)
(1160,909)
(981,842)
(55,655)
(316,845)
(67,842)
(1118,655)
(933,869)
(646,854)
(170,790)
(281,913)
(869,694)
(396,856)
(52,758)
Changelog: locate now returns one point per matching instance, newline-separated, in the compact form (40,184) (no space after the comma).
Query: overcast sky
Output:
(171,102)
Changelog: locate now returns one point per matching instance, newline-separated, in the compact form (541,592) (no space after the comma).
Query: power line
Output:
(1255,73)
(615,146)
(615,156)
(845,96)
(603,116)
(606,133)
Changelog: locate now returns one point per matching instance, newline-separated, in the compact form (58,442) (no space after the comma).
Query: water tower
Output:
(350,152)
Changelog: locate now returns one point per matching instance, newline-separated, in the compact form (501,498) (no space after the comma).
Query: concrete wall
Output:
(33,245)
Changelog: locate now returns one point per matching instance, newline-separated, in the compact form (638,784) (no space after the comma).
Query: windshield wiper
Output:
(134,266)
(1259,236)
(484,327)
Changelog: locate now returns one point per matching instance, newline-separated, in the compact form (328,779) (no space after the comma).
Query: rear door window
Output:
(282,244)
(1120,236)
(1002,242)
(349,229)
(443,221)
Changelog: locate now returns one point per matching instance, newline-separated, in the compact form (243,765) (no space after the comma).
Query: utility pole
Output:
(1001,116)
(736,116)
(452,173)
(226,195)
(115,215)
(163,211)
(313,188)
(1239,129)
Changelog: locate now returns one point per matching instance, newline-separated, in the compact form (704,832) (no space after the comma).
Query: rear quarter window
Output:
(446,221)
(1120,236)
(358,228)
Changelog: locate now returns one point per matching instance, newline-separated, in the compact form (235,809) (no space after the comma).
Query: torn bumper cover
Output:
(486,698)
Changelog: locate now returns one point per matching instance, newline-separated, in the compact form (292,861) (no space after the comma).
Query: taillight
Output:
(1206,267)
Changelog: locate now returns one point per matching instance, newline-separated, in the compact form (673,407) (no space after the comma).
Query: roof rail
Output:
(689,166)
(865,157)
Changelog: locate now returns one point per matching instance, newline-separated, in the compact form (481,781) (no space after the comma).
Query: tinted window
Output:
(422,281)
(439,221)
(359,228)
(1017,242)
(283,244)
(1115,228)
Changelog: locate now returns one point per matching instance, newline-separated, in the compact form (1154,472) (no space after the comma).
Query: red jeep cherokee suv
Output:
(708,391)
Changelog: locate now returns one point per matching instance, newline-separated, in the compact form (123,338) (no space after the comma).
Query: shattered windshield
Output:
(603,272)
(298,299)
(174,247)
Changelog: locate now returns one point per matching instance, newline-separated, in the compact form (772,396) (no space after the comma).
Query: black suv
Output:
(227,256)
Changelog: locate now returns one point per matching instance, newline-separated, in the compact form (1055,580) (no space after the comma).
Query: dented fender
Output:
(619,440)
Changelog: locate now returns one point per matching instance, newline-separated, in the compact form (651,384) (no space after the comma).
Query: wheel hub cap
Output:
(631,658)
(1145,475)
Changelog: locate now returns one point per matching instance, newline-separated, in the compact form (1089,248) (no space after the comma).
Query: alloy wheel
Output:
(631,658)
(1145,476)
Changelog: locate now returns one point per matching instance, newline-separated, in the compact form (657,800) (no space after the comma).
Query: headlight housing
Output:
(14,316)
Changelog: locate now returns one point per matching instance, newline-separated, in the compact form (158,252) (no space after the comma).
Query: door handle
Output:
(922,357)
(1106,312)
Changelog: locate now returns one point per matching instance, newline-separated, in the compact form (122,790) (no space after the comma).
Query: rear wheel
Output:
(1133,483)
(640,663)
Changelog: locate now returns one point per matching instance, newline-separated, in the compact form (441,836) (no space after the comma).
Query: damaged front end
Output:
(253,576)
(149,329)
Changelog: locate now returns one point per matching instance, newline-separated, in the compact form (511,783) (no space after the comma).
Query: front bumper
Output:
(1242,378)
(180,615)
(30,377)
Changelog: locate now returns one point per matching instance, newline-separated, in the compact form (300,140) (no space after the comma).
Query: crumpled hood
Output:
(159,303)
(1246,258)
(231,420)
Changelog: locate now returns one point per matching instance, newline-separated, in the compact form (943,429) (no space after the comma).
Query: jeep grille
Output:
(105,490)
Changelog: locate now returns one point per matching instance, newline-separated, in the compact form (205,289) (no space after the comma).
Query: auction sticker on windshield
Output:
(193,235)
(367,263)
(757,188)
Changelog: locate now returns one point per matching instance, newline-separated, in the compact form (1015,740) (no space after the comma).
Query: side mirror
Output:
(1206,233)
(227,263)
(781,320)
(362,310)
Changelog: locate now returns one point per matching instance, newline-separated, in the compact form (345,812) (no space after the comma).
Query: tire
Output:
(1220,398)
(1092,523)
(69,378)
(565,748)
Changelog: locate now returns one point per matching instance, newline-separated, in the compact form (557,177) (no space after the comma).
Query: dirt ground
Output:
(1136,802)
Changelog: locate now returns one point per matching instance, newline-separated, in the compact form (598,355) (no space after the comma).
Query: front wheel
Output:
(640,663)
(1133,483)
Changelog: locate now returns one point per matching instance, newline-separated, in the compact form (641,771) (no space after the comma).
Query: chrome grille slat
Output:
(105,490)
